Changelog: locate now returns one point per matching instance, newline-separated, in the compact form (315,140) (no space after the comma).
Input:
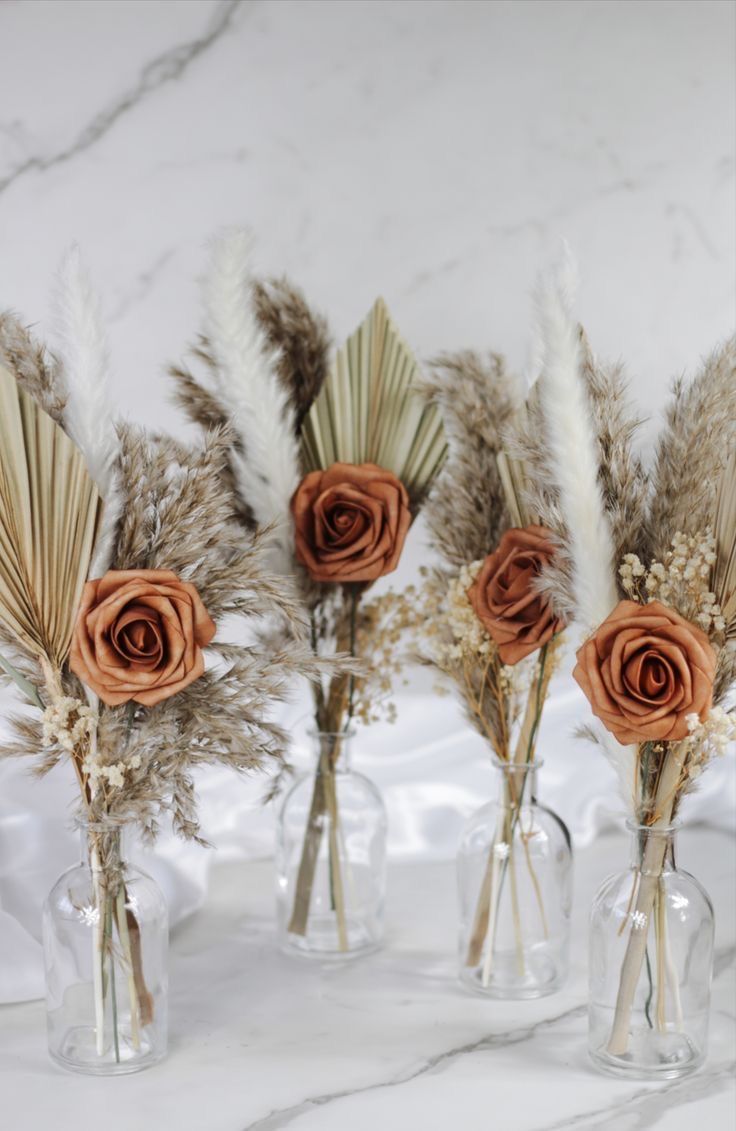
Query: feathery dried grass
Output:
(28,360)
(301,338)
(698,437)
(621,474)
(525,441)
(179,518)
(477,398)
(205,410)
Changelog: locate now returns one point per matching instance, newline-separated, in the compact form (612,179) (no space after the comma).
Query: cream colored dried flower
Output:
(681,581)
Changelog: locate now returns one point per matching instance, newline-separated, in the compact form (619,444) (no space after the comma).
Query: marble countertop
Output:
(261,1042)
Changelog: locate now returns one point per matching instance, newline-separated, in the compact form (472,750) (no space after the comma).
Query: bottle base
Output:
(77,1052)
(322,941)
(540,977)
(505,991)
(650,1056)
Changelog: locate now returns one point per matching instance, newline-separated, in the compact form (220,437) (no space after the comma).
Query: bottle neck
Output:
(517,783)
(103,849)
(332,750)
(651,844)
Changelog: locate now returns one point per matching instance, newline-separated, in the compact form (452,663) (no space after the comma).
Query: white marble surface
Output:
(432,151)
(263,1042)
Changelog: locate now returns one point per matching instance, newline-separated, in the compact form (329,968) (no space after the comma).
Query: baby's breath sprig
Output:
(383,623)
(68,723)
(708,739)
(681,581)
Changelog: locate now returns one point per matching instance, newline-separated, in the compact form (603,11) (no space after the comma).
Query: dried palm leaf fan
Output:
(369,410)
(49,513)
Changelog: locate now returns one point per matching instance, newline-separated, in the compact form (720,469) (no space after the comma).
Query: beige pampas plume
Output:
(36,372)
(300,337)
(698,437)
(477,399)
(621,474)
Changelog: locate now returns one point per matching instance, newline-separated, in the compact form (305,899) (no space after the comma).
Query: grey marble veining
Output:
(167,67)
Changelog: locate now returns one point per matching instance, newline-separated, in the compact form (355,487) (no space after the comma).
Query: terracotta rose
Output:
(504,598)
(645,670)
(139,635)
(351,521)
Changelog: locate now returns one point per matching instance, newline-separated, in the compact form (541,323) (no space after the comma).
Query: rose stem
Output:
(483,904)
(482,909)
(650,992)
(52,679)
(124,936)
(543,680)
(310,851)
(145,998)
(659,929)
(493,902)
(98,952)
(337,894)
(113,994)
(336,876)
(128,929)
(511,864)
(524,756)
(651,871)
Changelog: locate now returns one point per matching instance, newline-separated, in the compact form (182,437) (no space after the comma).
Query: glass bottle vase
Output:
(515,890)
(331,858)
(650,964)
(105,938)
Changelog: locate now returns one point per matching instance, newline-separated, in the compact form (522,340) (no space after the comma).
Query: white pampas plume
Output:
(89,418)
(247,382)
(572,447)
(573,460)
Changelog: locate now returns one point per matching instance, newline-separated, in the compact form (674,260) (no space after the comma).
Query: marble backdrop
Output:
(431,151)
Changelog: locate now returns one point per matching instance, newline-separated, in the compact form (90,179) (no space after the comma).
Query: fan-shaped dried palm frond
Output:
(49,512)
(370,410)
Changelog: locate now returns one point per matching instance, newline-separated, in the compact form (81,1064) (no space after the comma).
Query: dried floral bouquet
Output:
(482,622)
(338,455)
(649,571)
(119,556)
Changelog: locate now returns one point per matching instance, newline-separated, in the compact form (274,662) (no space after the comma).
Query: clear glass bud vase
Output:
(514,886)
(331,858)
(650,964)
(105,937)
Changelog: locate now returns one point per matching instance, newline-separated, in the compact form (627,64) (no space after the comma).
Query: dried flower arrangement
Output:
(339,456)
(481,620)
(649,571)
(119,556)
